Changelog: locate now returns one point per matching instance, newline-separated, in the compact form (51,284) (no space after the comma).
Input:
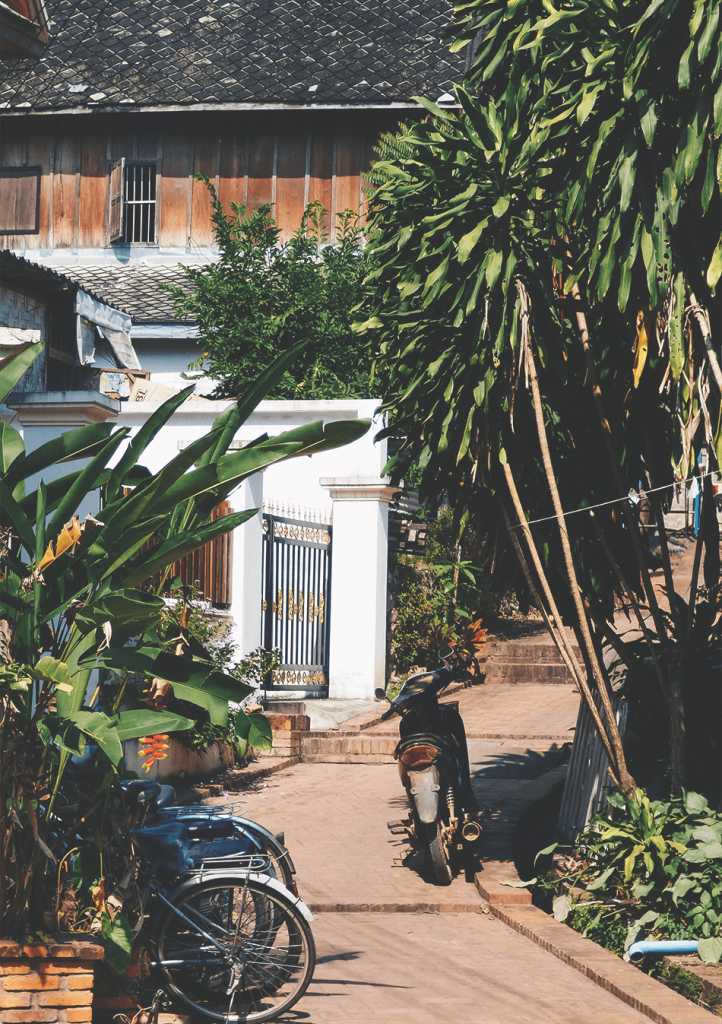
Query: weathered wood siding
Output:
(288,159)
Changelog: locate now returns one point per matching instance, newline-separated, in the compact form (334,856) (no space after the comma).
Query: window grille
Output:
(139,191)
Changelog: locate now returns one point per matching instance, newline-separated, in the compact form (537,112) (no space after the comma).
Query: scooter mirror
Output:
(445,652)
(380,693)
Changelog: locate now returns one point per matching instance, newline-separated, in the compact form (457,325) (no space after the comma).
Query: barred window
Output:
(139,203)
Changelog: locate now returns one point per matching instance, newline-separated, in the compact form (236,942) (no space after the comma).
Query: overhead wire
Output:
(614,501)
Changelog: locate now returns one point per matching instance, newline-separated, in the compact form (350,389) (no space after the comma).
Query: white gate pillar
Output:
(247,582)
(359,566)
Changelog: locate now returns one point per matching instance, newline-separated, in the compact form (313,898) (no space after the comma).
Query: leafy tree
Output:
(261,296)
(547,265)
(71,598)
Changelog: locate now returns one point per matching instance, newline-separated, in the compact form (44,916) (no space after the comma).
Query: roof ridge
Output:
(160,53)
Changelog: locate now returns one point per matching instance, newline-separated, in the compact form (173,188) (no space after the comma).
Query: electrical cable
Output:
(614,501)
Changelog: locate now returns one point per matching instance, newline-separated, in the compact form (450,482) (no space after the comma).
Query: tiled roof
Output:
(132,288)
(176,52)
(50,282)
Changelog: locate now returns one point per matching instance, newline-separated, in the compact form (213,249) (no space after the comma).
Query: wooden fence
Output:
(587,776)
(209,567)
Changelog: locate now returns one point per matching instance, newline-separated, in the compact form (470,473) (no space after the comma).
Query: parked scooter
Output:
(434,769)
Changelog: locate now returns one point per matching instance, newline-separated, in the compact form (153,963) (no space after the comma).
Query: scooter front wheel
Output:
(439,853)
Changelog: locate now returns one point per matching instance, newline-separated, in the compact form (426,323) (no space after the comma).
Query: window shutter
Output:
(115,209)
(19,200)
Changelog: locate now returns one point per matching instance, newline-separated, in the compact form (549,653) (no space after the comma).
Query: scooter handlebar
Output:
(388,714)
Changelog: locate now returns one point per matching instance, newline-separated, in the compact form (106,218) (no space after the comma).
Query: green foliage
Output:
(578,189)
(70,604)
(262,296)
(187,618)
(423,610)
(684,982)
(646,869)
(437,595)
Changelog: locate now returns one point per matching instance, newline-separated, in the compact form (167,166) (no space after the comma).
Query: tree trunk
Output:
(625,779)
(629,520)
(557,633)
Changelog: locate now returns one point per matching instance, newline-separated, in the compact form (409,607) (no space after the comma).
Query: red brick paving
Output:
(543,711)
(428,968)
(442,958)
(407,967)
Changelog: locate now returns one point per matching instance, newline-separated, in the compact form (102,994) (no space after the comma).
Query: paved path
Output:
(433,969)
(542,711)
(412,952)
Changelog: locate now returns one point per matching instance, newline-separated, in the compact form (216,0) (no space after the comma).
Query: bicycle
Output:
(216,823)
(231,942)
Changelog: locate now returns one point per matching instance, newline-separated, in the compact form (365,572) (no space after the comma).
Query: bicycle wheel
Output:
(267,957)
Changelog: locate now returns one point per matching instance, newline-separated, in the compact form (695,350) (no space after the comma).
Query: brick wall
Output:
(27,313)
(47,984)
(115,993)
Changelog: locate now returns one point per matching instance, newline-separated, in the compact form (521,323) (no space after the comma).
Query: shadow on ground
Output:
(529,764)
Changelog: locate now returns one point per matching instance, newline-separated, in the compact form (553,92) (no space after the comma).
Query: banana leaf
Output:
(12,515)
(12,367)
(193,681)
(88,480)
(142,439)
(81,443)
(233,418)
(172,550)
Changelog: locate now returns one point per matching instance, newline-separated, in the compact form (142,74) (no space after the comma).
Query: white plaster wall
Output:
(295,482)
(358,600)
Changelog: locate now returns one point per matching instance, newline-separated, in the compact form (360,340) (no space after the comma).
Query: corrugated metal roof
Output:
(175,52)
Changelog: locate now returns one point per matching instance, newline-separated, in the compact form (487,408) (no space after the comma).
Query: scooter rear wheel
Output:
(438,849)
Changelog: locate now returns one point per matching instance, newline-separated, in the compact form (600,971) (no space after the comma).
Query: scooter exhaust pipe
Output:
(471,830)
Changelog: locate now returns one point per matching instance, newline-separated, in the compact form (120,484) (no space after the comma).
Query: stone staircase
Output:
(526,661)
(301,733)
(349,747)
(348,743)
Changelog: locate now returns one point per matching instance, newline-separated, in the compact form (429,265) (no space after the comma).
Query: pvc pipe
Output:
(639,949)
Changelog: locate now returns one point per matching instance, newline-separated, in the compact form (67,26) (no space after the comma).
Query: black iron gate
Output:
(296,589)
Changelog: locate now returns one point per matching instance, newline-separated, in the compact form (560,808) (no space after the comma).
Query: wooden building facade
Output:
(108,181)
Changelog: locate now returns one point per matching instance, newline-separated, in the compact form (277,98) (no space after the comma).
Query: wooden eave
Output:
(136,108)
(20,36)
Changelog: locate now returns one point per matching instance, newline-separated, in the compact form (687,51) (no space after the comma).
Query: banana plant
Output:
(75,599)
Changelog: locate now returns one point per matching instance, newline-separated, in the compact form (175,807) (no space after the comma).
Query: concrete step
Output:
(526,672)
(347,748)
(512,652)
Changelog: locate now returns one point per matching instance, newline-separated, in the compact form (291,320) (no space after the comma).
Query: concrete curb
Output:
(490,884)
(237,781)
(604,968)
(398,907)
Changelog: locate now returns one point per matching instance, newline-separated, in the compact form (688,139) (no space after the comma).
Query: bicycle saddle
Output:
(147,792)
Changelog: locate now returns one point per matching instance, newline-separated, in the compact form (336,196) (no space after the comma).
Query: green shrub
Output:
(188,618)
(645,869)
(437,592)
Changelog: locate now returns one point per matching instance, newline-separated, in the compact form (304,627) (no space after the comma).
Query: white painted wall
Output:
(358,597)
(359,502)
